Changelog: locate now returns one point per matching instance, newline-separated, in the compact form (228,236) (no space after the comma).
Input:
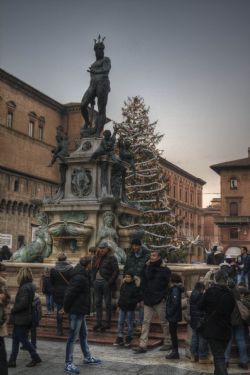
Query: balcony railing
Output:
(232,220)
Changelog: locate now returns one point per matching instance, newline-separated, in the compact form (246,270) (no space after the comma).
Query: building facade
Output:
(185,192)
(212,233)
(234,217)
(28,122)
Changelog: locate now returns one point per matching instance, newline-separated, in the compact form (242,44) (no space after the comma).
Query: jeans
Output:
(130,315)
(49,302)
(103,291)
(77,328)
(59,317)
(239,332)
(173,335)
(20,335)
(218,348)
(3,358)
(199,345)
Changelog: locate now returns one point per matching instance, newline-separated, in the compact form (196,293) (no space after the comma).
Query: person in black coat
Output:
(105,272)
(77,305)
(174,312)
(135,263)
(59,278)
(218,303)
(21,317)
(130,295)
(155,280)
(199,345)
(5,253)
(47,290)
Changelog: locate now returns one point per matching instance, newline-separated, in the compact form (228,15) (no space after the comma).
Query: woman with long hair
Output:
(21,317)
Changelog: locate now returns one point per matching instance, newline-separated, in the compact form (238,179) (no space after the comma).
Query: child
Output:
(199,345)
(4,301)
(174,312)
(130,295)
(47,290)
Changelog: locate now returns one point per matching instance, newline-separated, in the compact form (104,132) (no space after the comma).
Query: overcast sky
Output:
(189,59)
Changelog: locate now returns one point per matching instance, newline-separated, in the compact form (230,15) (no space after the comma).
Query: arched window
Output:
(233,209)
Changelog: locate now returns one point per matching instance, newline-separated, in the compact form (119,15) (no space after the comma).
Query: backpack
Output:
(36,310)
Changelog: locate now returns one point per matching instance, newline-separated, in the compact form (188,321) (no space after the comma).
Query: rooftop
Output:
(233,164)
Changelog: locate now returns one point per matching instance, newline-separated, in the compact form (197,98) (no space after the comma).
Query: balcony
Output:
(225,220)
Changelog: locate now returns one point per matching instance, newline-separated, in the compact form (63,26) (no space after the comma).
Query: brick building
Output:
(234,217)
(28,122)
(185,190)
(212,233)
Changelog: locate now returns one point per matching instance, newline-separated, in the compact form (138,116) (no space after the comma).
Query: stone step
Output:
(47,330)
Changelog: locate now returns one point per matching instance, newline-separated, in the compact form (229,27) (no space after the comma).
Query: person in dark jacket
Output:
(5,253)
(135,263)
(239,327)
(137,258)
(21,316)
(246,266)
(130,295)
(174,312)
(77,305)
(218,303)
(219,256)
(47,290)
(199,345)
(105,273)
(155,280)
(59,277)
(4,302)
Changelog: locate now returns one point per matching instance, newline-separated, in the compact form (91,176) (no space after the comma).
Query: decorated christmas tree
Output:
(148,186)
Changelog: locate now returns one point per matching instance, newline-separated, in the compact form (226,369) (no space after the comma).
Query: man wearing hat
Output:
(105,272)
(135,263)
(136,258)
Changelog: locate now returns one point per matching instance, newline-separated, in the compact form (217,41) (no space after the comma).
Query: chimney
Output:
(249,152)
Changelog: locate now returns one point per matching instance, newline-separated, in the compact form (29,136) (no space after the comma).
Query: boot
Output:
(11,363)
(173,355)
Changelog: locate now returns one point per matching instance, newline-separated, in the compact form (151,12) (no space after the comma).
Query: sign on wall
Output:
(6,239)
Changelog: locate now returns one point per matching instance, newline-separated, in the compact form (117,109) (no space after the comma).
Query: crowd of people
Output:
(148,288)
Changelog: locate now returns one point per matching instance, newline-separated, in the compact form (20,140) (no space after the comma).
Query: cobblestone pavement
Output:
(118,361)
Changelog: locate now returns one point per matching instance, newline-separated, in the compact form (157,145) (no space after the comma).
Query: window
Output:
(233,209)
(20,241)
(11,106)
(233,183)
(174,192)
(186,196)
(16,185)
(41,124)
(180,194)
(234,233)
(40,133)
(9,119)
(31,128)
